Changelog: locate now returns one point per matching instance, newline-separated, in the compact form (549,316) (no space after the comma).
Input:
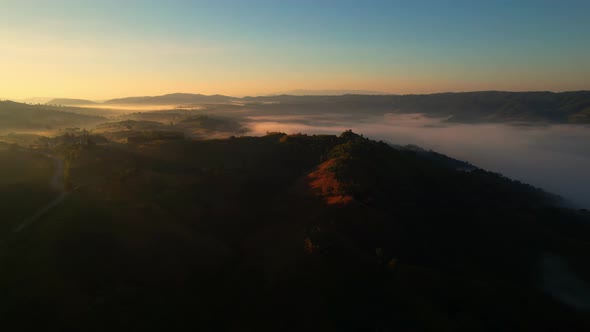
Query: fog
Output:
(116,109)
(555,158)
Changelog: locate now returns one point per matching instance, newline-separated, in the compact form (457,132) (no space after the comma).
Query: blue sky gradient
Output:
(103,49)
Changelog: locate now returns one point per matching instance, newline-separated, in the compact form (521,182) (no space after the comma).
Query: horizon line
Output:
(292,93)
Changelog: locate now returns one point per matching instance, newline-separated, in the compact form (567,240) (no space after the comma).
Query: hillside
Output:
(497,106)
(180,122)
(295,232)
(23,117)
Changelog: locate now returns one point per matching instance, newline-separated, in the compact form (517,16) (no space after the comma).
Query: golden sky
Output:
(109,49)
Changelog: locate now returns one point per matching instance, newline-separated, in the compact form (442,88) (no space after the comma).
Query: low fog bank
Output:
(555,158)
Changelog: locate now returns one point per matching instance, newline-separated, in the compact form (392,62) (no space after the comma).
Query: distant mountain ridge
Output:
(174,98)
(461,107)
(35,100)
(70,102)
(304,92)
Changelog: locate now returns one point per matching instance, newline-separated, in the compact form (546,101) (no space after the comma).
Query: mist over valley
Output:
(525,136)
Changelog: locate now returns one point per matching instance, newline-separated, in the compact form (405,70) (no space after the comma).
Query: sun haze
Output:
(295,165)
(106,49)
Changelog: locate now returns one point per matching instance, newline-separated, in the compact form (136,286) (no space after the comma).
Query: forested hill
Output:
(295,232)
(21,117)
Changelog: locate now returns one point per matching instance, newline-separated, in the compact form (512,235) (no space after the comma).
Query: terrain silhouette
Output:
(70,102)
(292,232)
(24,117)
(465,107)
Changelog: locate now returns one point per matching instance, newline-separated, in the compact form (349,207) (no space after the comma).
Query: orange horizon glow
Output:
(121,49)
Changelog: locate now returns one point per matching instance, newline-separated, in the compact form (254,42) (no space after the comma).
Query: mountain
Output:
(18,116)
(303,92)
(498,106)
(34,100)
(70,102)
(293,232)
(171,99)
(466,107)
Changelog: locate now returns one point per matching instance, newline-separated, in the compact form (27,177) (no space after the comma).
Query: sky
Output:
(117,48)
